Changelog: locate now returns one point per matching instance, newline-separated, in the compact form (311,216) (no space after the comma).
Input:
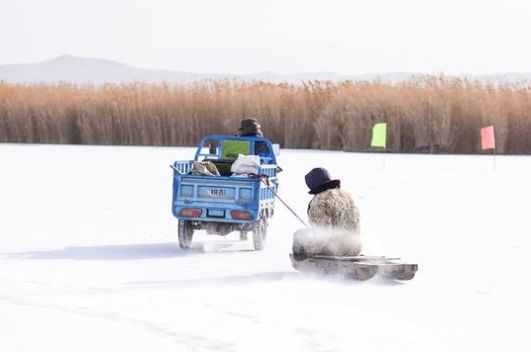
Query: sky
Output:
(285,36)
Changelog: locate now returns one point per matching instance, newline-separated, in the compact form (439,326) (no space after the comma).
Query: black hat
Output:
(250,127)
(318,180)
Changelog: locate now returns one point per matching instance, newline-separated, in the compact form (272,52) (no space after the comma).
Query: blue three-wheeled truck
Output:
(228,202)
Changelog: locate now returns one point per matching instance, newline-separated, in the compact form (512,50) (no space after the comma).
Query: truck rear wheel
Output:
(186,233)
(259,234)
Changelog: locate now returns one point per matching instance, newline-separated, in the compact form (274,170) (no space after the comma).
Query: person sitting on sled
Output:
(334,220)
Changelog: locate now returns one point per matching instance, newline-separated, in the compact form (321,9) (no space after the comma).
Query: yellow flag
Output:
(379,135)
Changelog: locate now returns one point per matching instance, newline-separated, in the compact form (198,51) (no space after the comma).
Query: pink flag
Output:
(487,138)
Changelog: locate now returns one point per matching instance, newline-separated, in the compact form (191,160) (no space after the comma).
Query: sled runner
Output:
(358,268)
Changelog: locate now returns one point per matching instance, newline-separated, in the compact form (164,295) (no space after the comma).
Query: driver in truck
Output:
(251,128)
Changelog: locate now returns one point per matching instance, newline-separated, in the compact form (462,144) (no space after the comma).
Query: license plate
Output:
(217,192)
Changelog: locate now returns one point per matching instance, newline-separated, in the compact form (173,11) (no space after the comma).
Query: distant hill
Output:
(87,70)
(84,70)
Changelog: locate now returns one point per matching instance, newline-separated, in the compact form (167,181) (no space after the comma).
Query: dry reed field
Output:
(434,114)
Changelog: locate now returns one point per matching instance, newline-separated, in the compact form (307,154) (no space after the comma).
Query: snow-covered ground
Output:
(89,259)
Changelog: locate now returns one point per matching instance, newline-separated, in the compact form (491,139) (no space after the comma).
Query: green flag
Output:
(379,135)
(231,148)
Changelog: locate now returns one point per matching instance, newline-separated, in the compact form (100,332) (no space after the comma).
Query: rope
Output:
(265,180)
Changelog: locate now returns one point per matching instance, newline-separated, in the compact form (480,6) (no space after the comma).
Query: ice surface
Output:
(89,257)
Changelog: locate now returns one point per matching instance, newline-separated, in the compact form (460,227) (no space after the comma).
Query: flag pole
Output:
(494,149)
(379,139)
(488,141)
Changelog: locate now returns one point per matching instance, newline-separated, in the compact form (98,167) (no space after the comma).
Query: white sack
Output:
(246,164)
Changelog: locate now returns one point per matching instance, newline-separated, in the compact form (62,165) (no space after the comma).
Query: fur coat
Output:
(334,208)
(335,223)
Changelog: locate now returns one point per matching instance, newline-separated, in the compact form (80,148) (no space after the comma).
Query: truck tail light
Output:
(240,215)
(190,213)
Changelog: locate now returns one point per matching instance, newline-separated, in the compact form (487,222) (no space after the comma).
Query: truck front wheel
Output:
(186,233)
(259,234)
